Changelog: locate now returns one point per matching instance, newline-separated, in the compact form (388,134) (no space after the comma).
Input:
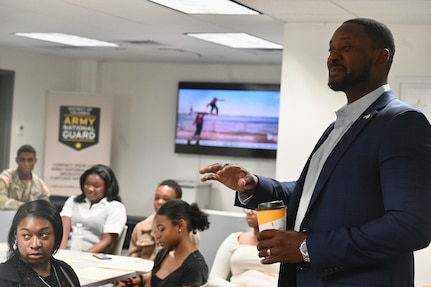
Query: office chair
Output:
(117,247)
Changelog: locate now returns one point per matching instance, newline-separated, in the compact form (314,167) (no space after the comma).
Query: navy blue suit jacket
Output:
(371,207)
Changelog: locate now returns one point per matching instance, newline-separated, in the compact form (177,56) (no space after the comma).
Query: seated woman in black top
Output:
(34,236)
(179,263)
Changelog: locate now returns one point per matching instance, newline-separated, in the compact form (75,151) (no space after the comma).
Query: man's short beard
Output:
(337,87)
(350,80)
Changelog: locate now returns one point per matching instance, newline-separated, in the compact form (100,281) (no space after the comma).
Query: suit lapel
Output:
(345,142)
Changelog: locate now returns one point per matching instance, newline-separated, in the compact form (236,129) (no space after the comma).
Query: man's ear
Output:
(383,56)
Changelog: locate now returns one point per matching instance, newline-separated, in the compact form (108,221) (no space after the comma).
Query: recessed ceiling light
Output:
(67,39)
(237,40)
(207,7)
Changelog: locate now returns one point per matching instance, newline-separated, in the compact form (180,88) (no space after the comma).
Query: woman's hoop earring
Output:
(15,245)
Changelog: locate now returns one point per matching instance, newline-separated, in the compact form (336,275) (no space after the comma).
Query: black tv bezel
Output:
(215,150)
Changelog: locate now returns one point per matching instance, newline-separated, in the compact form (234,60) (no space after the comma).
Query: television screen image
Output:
(232,119)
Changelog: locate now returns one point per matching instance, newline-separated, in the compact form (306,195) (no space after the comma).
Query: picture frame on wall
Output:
(416,91)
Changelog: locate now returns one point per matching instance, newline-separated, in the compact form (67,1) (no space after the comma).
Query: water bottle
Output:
(77,238)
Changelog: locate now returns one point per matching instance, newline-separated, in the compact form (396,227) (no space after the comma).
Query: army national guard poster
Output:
(78,135)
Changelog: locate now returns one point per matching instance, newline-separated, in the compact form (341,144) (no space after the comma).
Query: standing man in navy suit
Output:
(362,203)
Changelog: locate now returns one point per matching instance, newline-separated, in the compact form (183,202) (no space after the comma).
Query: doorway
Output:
(7,79)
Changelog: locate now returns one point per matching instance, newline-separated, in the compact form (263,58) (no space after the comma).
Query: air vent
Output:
(141,42)
(268,50)
(64,47)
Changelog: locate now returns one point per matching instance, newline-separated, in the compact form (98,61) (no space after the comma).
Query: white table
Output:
(94,272)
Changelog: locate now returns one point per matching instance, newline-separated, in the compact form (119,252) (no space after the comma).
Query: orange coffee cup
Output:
(271,215)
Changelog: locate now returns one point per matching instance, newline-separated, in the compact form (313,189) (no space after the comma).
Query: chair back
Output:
(117,247)
(223,223)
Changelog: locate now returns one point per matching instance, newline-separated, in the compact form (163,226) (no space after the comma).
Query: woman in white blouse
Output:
(98,208)
(237,263)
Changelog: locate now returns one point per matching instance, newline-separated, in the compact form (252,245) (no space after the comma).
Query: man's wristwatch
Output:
(304,251)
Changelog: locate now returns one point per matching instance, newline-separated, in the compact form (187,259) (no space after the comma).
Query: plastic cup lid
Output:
(276,204)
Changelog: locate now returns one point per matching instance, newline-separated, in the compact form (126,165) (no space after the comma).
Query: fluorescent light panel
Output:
(66,39)
(207,7)
(236,40)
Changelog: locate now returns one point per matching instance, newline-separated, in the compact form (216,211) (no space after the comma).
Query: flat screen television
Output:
(228,119)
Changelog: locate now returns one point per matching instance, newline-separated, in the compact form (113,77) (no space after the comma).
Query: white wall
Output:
(34,75)
(144,127)
(308,105)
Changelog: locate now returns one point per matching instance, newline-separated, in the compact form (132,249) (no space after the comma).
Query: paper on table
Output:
(127,263)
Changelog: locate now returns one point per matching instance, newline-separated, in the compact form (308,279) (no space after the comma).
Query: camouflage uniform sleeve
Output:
(45,191)
(3,194)
(5,201)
